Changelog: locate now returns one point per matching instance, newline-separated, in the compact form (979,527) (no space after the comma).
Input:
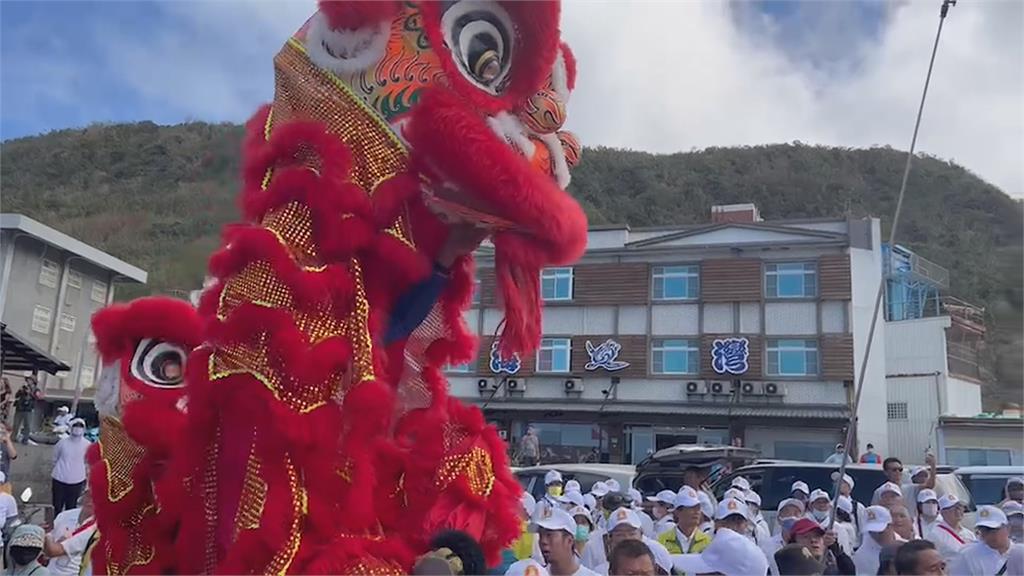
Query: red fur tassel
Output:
(349,15)
(119,327)
(570,66)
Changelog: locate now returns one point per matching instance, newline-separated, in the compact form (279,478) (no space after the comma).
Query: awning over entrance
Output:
(815,411)
(18,354)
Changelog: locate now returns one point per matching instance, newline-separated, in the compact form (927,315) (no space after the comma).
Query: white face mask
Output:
(930,509)
(819,515)
(78,431)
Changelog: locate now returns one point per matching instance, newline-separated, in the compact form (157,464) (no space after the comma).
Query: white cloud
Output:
(666,77)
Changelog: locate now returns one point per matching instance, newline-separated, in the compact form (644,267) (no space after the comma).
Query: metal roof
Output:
(815,411)
(63,241)
(20,354)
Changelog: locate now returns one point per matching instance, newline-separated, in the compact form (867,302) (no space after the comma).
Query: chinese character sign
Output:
(729,355)
(499,365)
(605,355)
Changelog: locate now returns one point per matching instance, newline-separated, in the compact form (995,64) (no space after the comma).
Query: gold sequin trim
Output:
(292,224)
(139,553)
(120,455)
(475,466)
(254,494)
(282,560)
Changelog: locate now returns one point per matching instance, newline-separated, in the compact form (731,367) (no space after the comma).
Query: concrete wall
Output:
(910,437)
(866,273)
(764,438)
(983,437)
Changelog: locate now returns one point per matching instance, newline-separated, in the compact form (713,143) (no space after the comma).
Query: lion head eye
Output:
(479,35)
(160,364)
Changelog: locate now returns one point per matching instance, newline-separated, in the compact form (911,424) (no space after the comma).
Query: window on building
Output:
(99,292)
(556,284)
(792,358)
(896,410)
(977,457)
(463,368)
(49,272)
(554,355)
(67,322)
(86,377)
(801,452)
(41,319)
(675,282)
(74,279)
(674,356)
(791,280)
(476,288)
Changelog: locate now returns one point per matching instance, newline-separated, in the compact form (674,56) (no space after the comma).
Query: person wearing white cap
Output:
(729,553)
(1015,515)
(788,513)
(760,530)
(598,490)
(633,558)
(584,526)
(526,545)
(707,512)
(685,537)
(893,469)
(573,486)
(553,490)
(556,534)
(888,495)
(637,502)
(948,535)
(819,509)
(613,485)
(734,515)
(741,483)
(989,554)
(528,567)
(878,533)
(927,512)
(1014,490)
(800,491)
(571,500)
(68,476)
(857,515)
(625,524)
(845,528)
(838,456)
(663,503)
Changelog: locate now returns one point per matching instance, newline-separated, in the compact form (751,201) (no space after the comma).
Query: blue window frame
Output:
(790,280)
(792,358)
(554,355)
(556,284)
(674,356)
(675,282)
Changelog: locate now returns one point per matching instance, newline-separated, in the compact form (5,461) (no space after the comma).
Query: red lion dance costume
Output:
(299,441)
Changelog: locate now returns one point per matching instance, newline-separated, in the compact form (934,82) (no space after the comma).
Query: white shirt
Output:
(62,420)
(646,523)
(846,535)
(584,571)
(946,544)
(593,552)
(664,525)
(761,531)
(64,526)
(770,547)
(977,559)
(69,459)
(866,557)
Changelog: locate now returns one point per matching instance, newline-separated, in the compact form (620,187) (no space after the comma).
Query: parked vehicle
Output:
(663,470)
(532,478)
(987,483)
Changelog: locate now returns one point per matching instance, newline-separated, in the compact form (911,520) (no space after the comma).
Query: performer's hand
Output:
(463,238)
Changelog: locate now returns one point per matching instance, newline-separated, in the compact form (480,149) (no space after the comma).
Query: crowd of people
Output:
(907,528)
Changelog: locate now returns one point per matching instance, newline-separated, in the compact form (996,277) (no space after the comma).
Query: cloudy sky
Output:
(657,76)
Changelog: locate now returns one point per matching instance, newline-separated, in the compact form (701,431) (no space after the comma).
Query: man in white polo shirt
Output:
(948,535)
(730,554)
(878,532)
(625,524)
(556,534)
(988,555)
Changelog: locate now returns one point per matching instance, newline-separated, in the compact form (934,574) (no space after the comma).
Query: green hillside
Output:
(157,196)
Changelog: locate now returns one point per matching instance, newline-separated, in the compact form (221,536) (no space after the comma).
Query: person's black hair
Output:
(612,501)
(627,550)
(843,515)
(465,547)
(890,460)
(887,559)
(906,556)
(870,445)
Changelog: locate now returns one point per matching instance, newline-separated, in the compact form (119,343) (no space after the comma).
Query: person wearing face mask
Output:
(598,491)
(820,510)
(789,511)
(989,554)
(878,533)
(25,547)
(1014,490)
(686,537)
(760,526)
(823,547)
(662,505)
(553,490)
(800,491)
(948,535)
(1015,516)
(707,513)
(68,476)
(927,512)
(844,526)
(584,525)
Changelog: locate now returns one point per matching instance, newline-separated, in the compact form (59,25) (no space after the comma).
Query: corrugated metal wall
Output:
(908,438)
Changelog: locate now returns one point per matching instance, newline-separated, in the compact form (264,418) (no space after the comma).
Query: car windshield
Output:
(986,489)
(780,479)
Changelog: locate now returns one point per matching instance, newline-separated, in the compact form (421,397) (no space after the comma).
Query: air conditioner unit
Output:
(483,384)
(718,388)
(503,433)
(573,385)
(515,385)
(773,389)
(752,389)
(695,388)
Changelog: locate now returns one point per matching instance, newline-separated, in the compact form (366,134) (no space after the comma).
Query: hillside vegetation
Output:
(156,196)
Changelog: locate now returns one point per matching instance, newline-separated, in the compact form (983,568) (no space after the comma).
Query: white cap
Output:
(741,483)
(800,485)
(77,422)
(554,519)
(63,409)
(589,501)
(991,517)
(729,553)
(948,501)
(917,470)
(735,493)
(666,497)
(889,487)
(686,498)
(3,477)
(876,519)
(1013,508)
(599,489)
(528,567)
(574,498)
(706,507)
(573,486)
(819,494)
(791,502)
(529,502)
(623,517)
(613,485)
(732,507)
(553,477)
(845,504)
(1015,480)
(581,511)
(849,480)
(636,496)
(751,497)
(926,495)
